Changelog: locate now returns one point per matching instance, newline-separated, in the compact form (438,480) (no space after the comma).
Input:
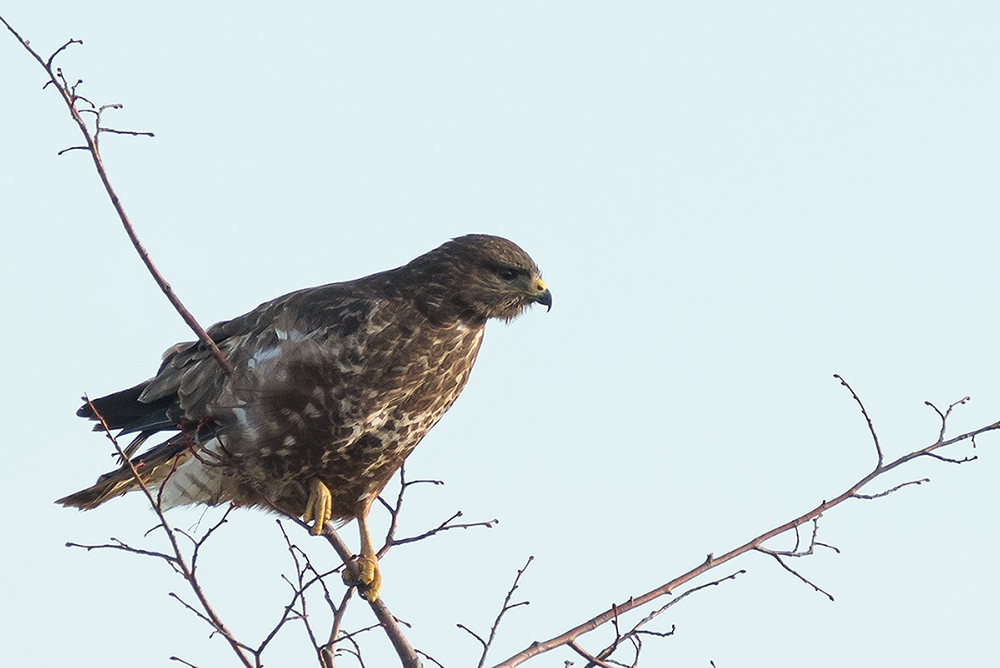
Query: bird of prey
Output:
(331,388)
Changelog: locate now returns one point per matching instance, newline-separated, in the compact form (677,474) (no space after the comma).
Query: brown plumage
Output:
(332,388)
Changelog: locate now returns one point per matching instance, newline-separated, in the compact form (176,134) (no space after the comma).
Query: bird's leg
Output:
(319,507)
(369,580)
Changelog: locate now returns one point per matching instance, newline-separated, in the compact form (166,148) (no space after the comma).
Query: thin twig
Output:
(869,497)
(180,660)
(70,98)
(591,659)
(407,656)
(946,414)
(777,557)
(178,560)
(124,547)
(446,526)
(504,609)
(753,544)
(430,658)
(871,427)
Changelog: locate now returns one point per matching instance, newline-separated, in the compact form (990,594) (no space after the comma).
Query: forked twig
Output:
(71,98)
(757,543)
(395,509)
(178,560)
(504,609)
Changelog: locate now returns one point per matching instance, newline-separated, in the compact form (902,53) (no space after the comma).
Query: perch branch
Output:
(407,656)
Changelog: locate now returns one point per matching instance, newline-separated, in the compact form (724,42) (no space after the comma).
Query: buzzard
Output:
(331,388)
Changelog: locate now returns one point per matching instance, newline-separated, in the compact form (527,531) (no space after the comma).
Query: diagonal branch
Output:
(407,656)
(177,561)
(754,544)
(71,98)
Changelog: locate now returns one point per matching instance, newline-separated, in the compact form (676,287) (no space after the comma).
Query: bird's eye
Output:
(506,273)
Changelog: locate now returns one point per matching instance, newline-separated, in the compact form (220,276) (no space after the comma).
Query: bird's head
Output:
(477,277)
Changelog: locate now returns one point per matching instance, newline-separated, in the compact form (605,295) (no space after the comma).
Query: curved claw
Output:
(369,581)
(371,578)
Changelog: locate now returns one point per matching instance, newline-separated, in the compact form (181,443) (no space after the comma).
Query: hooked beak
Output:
(540,294)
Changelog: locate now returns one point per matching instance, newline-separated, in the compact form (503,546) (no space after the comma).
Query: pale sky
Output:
(731,202)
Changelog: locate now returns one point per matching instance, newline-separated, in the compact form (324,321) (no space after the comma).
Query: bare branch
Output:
(794,572)
(124,547)
(871,427)
(338,617)
(949,460)
(889,491)
(70,97)
(946,414)
(389,623)
(473,634)
(396,508)
(637,631)
(445,526)
(48,63)
(180,660)
(430,658)
(73,148)
(133,133)
(755,544)
(591,660)
(180,563)
(504,609)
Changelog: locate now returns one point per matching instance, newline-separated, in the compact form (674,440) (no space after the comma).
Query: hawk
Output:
(331,388)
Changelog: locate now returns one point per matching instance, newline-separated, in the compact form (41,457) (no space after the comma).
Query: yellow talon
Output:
(369,580)
(319,507)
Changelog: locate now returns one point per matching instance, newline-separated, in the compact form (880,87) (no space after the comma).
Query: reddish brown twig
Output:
(71,98)
(177,561)
(757,543)
(504,609)
(395,509)
(407,655)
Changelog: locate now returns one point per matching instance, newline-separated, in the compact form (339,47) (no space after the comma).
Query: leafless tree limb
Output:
(395,508)
(389,623)
(591,660)
(757,543)
(125,547)
(635,634)
(504,609)
(781,562)
(879,495)
(178,561)
(445,526)
(946,414)
(327,651)
(430,658)
(868,420)
(69,95)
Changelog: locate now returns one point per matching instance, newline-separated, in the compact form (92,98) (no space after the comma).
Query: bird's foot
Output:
(319,507)
(369,580)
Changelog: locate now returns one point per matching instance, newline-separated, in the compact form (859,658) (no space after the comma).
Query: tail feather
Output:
(153,466)
(123,410)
